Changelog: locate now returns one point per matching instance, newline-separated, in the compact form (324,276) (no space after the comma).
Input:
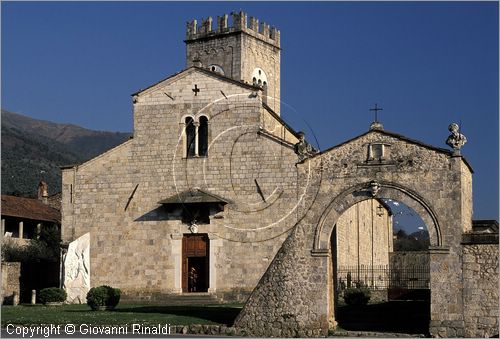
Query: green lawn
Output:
(123,314)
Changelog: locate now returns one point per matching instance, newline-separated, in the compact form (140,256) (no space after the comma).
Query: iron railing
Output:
(380,277)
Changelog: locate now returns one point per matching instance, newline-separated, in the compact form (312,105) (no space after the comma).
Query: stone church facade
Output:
(216,193)
(208,181)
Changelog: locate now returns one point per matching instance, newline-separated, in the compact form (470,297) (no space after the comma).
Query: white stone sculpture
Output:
(76,271)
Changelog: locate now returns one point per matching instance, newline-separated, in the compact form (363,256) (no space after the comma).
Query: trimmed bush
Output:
(52,294)
(103,297)
(357,296)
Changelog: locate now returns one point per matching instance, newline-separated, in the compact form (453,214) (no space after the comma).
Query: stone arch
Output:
(438,186)
(199,115)
(360,192)
(183,118)
(203,132)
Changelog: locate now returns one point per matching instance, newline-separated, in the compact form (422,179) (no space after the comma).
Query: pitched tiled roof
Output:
(29,208)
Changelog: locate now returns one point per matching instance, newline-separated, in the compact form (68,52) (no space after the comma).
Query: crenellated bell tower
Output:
(244,51)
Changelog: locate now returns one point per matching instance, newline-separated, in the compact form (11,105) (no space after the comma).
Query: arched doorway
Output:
(381,270)
(358,195)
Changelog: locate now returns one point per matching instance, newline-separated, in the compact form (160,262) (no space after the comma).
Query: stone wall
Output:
(364,235)
(239,50)
(480,272)
(11,273)
(404,259)
(259,54)
(293,290)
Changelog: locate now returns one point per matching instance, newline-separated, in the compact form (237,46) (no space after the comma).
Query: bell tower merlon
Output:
(244,51)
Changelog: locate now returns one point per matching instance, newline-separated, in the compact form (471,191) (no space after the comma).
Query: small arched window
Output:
(203,137)
(216,69)
(264,88)
(190,137)
(259,76)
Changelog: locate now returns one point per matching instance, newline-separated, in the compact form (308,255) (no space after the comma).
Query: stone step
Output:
(175,299)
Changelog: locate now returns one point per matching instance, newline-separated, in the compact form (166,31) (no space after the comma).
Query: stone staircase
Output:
(200,298)
(194,299)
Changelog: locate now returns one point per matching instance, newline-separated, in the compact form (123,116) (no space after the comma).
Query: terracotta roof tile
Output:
(29,209)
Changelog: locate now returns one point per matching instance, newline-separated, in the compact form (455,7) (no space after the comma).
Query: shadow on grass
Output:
(393,316)
(218,314)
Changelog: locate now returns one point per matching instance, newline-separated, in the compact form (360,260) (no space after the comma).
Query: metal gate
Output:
(409,282)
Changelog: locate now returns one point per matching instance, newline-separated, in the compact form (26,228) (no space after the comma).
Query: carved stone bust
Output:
(303,149)
(456,139)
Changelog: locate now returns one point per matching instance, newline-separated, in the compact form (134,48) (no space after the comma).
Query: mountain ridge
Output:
(34,150)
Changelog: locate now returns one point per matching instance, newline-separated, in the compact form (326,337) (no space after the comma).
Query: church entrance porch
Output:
(195,263)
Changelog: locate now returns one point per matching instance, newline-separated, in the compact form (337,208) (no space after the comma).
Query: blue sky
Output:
(426,63)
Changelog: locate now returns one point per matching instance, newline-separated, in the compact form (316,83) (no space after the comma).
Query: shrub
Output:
(52,294)
(357,296)
(103,296)
(45,249)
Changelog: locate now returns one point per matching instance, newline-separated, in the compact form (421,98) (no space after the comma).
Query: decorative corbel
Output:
(374,188)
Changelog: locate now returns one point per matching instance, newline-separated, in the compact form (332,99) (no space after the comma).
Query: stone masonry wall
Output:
(364,238)
(480,272)
(293,290)
(358,241)
(404,259)
(238,50)
(258,53)
(220,51)
(11,272)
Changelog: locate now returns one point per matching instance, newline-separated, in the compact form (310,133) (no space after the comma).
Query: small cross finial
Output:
(375,125)
(376,109)
(195,90)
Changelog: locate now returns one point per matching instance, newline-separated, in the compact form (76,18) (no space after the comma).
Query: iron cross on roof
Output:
(195,90)
(376,109)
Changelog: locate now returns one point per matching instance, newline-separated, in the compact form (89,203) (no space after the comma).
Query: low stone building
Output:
(23,218)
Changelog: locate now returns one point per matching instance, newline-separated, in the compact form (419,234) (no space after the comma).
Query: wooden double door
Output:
(195,260)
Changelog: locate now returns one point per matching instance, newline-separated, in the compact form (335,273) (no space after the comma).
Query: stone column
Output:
(3,227)
(177,257)
(38,230)
(21,229)
(446,294)
(15,298)
(184,139)
(215,242)
(196,141)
